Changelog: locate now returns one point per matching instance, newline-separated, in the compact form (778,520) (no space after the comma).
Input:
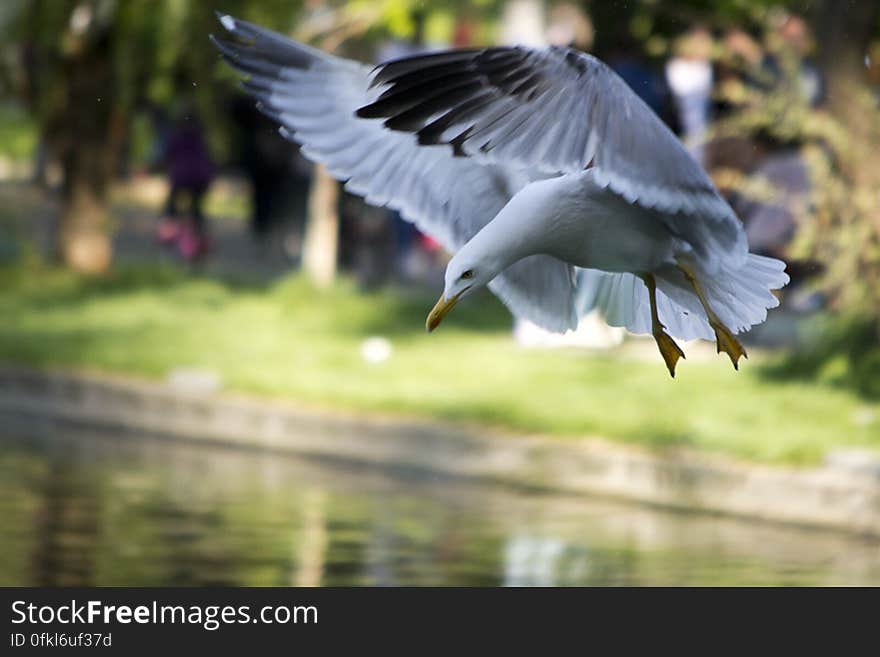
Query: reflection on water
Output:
(100,509)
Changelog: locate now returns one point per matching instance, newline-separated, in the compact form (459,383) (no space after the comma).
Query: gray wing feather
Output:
(561,111)
(314,96)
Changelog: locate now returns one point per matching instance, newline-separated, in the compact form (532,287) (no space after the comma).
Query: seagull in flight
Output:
(546,176)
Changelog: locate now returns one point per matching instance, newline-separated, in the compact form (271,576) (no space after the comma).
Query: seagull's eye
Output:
(467,275)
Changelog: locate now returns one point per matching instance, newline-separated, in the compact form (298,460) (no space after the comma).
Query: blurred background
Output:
(154,226)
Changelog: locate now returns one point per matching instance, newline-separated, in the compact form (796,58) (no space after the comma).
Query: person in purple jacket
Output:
(190,171)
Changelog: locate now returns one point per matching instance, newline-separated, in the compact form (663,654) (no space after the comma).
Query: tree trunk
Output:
(843,34)
(83,241)
(82,127)
(321,242)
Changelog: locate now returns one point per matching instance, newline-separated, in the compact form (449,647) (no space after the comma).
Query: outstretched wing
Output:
(314,97)
(561,111)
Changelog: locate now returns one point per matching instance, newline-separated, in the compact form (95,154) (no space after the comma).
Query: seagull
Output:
(546,176)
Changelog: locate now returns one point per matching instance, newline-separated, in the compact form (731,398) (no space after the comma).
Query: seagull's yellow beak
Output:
(440,310)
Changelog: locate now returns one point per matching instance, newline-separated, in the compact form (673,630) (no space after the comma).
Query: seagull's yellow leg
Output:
(724,338)
(668,349)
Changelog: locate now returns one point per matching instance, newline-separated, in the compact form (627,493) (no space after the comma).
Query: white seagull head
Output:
(474,266)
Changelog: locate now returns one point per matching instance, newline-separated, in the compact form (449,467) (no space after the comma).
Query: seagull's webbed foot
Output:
(670,351)
(724,339)
(726,342)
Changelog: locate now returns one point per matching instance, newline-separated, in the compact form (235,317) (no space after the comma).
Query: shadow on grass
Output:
(64,347)
(58,288)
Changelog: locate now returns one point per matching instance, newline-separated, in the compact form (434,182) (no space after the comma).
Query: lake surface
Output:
(92,507)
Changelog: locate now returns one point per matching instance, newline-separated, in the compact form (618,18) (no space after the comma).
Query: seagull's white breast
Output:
(591,227)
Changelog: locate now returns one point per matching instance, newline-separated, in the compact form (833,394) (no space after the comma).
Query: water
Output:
(97,508)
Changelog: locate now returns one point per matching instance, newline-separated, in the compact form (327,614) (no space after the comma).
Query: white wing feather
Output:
(314,97)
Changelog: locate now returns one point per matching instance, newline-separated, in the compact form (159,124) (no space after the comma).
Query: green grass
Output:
(292,342)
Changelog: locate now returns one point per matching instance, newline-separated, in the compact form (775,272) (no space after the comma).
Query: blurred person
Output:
(265,156)
(737,73)
(463,33)
(771,225)
(738,68)
(792,45)
(742,45)
(626,60)
(190,171)
(367,242)
(33,62)
(522,22)
(690,78)
(570,27)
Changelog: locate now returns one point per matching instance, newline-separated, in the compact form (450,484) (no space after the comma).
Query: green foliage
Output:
(838,219)
(18,133)
(840,351)
(291,341)
(158,49)
(160,53)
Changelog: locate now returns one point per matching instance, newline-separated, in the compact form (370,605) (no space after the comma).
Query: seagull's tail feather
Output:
(740,298)
(622,298)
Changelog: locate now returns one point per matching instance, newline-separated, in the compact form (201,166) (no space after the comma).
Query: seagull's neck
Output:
(516,232)
(499,244)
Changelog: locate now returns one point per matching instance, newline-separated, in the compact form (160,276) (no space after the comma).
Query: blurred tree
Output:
(86,66)
(69,86)
(321,242)
(833,135)
(834,130)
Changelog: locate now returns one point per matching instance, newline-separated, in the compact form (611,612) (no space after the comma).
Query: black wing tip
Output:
(426,138)
(373,111)
(366,112)
(374,76)
(389,70)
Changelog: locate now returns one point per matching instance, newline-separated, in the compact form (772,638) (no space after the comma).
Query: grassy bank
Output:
(292,342)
